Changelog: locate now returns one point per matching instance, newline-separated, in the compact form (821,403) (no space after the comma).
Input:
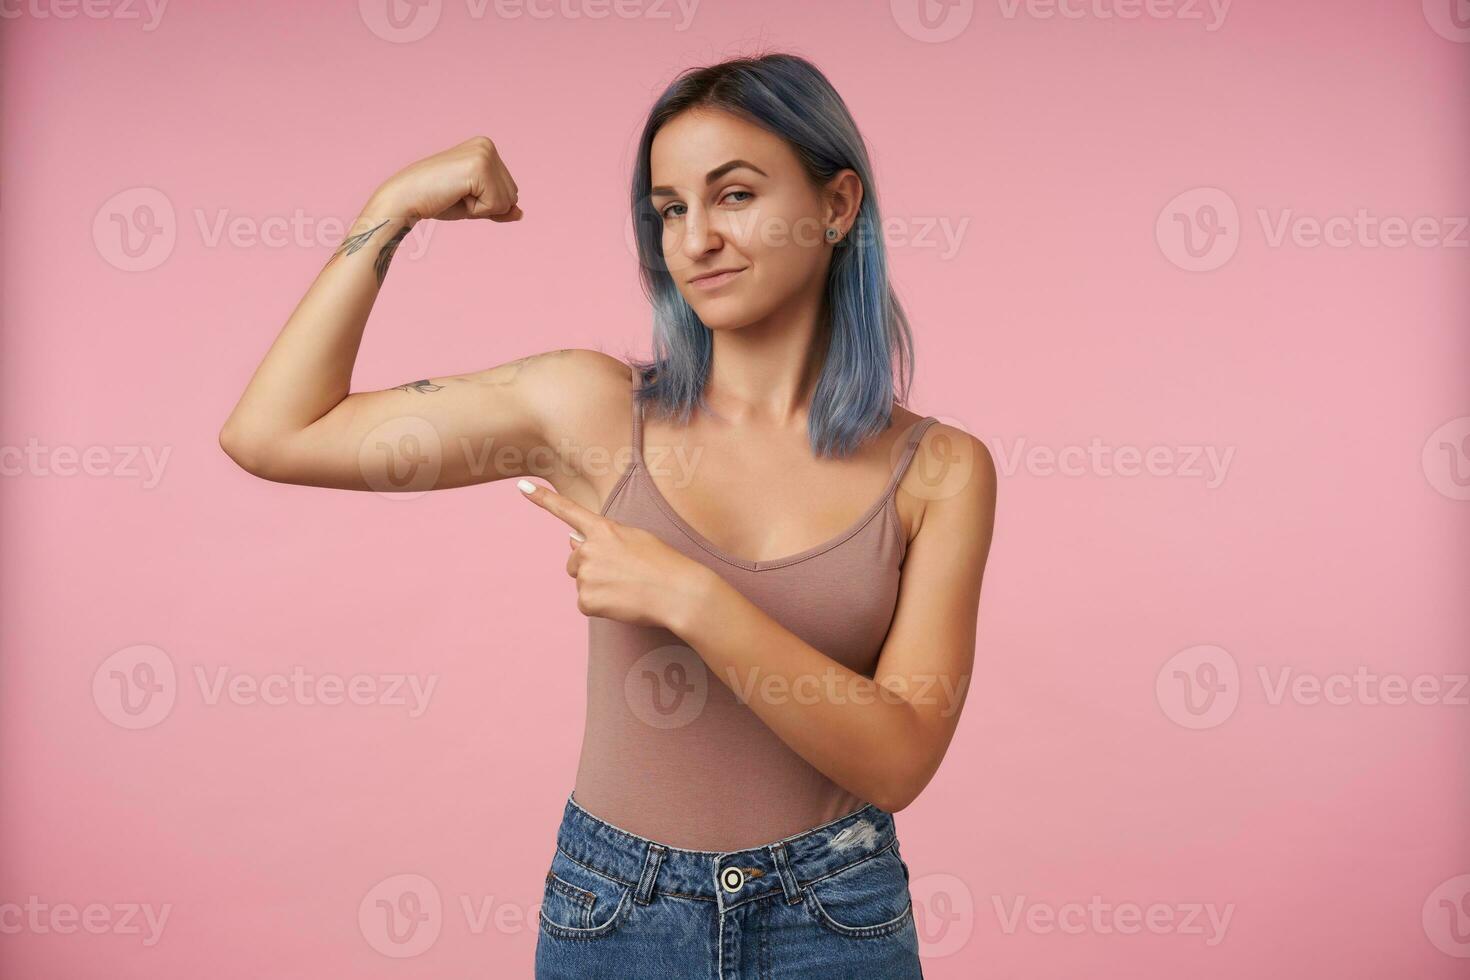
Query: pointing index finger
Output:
(573,514)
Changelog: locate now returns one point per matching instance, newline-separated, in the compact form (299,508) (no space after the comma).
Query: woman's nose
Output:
(700,236)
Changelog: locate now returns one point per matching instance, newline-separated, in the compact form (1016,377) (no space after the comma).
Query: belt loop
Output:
(783,870)
(651,862)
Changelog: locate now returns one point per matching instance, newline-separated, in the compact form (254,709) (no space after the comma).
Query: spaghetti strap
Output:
(637,416)
(911,446)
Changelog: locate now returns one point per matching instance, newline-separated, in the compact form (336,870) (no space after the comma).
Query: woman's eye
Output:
(668,212)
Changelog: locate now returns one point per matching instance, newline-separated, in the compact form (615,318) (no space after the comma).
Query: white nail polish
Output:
(525,486)
(577,537)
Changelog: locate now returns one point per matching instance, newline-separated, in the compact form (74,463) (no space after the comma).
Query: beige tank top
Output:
(669,752)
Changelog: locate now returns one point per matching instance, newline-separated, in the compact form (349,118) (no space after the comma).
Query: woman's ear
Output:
(844,193)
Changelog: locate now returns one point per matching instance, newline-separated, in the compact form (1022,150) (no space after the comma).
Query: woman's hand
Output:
(624,573)
(465,181)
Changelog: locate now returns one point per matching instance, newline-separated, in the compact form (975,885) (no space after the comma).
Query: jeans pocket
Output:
(865,900)
(580,903)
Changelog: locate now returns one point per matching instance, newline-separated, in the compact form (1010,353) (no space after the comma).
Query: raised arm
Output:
(298,422)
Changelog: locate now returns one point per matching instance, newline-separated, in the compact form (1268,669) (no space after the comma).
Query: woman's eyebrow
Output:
(711,177)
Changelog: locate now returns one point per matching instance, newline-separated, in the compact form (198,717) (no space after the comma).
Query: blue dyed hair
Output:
(869,334)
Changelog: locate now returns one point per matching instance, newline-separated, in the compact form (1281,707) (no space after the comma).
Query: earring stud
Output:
(831,234)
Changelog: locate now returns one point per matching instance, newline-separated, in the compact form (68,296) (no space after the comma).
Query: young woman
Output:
(781,566)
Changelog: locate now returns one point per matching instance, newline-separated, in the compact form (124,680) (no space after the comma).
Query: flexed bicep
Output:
(437,432)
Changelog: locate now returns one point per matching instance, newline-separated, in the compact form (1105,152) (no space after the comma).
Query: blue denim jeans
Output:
(831,902)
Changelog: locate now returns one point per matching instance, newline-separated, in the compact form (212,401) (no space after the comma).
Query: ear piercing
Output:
(832,234)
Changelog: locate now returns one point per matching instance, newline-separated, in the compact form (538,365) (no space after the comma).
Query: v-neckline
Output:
(873,510)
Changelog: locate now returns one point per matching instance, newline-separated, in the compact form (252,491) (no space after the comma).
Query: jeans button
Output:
(732,879)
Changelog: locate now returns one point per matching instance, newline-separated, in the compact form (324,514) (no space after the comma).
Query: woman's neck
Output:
(768,370)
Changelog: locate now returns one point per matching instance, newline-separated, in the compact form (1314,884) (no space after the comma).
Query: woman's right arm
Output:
(297,420)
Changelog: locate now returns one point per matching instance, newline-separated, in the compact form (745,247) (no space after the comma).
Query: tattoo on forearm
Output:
(385,254)
(424,386)
(354,242)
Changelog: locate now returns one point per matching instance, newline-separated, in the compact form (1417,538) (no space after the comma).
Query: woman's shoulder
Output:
(904,422)
(574,392)
(579,376)
(951,469)
(583,401)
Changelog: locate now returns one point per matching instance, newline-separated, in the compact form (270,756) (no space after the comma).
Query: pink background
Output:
(1332,835)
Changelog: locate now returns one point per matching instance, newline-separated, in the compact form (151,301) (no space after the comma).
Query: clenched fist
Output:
(465,181)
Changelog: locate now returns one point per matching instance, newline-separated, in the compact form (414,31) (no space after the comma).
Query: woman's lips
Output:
(715,282)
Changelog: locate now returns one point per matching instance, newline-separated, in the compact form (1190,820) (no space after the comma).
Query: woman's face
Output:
(732,196)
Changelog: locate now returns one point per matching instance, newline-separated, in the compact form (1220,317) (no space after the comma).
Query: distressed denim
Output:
(831,902)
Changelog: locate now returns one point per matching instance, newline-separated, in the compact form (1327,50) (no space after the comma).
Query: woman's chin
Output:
(723,319)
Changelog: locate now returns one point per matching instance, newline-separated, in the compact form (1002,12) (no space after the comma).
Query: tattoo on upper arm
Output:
(424,386)
(512,369)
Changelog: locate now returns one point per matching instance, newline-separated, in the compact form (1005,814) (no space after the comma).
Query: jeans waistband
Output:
(729,878)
